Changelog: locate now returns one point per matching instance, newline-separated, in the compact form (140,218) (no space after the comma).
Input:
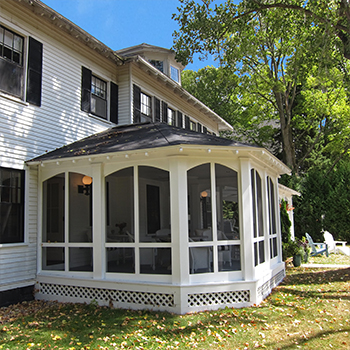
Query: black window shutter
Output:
(179,119)
(187,122)
(137,104)
(85,89)
(35,67)
(156,109)
(199,127)
(164,112)
(113,106)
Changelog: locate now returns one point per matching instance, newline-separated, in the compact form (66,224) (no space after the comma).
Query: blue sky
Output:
(124,23)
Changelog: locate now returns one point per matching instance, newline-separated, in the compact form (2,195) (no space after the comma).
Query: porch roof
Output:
(136,137)
(147,136)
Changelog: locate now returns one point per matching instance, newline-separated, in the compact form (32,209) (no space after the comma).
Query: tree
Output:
(331,16)
(272,53)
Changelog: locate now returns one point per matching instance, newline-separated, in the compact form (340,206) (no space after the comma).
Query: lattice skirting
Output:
(100,294)
(218,298)
(266,288)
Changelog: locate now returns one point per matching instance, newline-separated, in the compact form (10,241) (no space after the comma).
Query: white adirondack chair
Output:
(332,244)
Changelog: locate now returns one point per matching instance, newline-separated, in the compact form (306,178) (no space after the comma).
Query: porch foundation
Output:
(179,299)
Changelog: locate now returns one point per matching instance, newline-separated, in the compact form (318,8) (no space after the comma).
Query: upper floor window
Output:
(146,106)
(11,46)
(157,64)
(171,117)
(12,66)
(174,74)
(94,96)
(98,97)
(11,205)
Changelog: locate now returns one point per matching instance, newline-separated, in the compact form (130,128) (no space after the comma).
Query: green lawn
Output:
(309,310)
(338,259)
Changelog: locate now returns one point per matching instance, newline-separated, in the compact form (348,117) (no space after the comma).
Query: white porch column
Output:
(179,221)
(98,218)
(246,218)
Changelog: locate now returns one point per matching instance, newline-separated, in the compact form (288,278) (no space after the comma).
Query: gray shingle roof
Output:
(136,137)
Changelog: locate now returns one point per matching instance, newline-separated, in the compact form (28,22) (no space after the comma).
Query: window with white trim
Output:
(95,96)
(12,64)
(174,74)
(98,97)
(171,117)
(11,205)
(146,107)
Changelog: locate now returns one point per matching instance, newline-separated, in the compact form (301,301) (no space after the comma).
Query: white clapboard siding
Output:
(27,131)
(124,107)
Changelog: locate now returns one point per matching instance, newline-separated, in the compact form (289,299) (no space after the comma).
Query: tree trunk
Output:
(286,131)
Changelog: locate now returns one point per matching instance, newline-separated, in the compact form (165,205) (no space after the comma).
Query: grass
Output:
(309,310)
(333,259)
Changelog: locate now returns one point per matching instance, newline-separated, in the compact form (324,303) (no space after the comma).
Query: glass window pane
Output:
(53,209)
(155,261)
(121,260)
(1,36)
(229,257)
(80,259)
(8,39)
(201,260)
(261,252)
(80,209)
(53,258)
(227,203)
(199,203)
(11,76)
(259,203)
(120,206)
(174,73)
(154,205)
(17,44)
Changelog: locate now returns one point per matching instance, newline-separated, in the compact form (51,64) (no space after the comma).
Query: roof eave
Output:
(65,25)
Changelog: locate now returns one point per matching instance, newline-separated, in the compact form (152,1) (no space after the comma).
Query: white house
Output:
(114,184)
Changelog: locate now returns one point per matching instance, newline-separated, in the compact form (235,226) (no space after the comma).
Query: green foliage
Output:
(285,222)
(281,81)
(325,203)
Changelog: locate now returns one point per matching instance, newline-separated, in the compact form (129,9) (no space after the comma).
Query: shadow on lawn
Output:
(317,277)
(305,340)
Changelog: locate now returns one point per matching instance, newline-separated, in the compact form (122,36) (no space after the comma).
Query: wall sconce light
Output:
(204,194)
(86,187)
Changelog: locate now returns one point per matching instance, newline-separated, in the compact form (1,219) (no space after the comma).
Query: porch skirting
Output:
(178,299)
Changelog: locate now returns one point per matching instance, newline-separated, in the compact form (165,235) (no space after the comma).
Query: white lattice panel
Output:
(218,298)
(122,296)
(272,283)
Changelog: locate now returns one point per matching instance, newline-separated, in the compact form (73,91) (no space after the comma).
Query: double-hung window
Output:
(171,117)
(12,65)
(11,62)
(98,97)
(11,205)
(94,96)
(146,107)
